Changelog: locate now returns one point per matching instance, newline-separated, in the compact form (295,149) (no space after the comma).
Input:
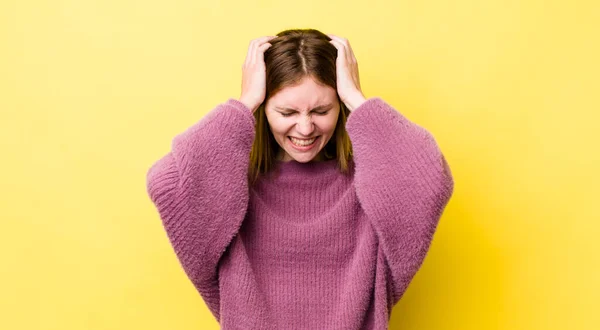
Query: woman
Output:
(301,205)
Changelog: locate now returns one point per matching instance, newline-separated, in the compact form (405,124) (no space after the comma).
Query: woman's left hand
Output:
(348,83)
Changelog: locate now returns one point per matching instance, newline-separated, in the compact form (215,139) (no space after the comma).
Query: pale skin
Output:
(304,111)
(307,110)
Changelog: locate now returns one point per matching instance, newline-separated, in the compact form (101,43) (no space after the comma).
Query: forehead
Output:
(305,95)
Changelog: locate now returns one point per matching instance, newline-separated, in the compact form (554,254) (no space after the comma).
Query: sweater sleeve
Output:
(200,191)
(403,184)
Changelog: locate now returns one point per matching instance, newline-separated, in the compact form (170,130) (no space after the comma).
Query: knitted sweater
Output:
(306,247)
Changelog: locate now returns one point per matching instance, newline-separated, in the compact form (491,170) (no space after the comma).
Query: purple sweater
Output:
(309,248)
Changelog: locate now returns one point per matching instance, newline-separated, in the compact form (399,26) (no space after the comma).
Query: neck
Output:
(281,156)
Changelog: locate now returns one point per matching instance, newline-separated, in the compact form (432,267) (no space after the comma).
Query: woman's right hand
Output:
(254,75)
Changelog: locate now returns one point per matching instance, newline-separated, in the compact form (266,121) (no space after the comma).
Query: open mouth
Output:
(303,144)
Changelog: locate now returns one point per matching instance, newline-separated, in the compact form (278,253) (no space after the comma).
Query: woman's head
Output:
(301,101)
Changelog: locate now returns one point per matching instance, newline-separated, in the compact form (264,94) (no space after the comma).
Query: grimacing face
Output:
(305,111)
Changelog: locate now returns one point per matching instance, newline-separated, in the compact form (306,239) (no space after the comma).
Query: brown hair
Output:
(294,55)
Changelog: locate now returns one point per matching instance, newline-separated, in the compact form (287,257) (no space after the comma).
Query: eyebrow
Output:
(324,106)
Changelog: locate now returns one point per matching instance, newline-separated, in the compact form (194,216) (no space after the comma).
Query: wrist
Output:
(355,101)
(249,105)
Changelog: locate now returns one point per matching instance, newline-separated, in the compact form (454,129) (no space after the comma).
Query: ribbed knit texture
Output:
(307,247)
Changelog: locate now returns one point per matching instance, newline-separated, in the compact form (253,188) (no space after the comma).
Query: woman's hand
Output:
(254,73)
(348,83)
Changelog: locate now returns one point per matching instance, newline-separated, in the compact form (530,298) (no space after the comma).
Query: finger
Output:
(252,51)
(346,46)
(337,45)
(351,52)
(343,50)
(248,56)
(253,46)
(261,51)
(347,49)
(336,37)
(261,45)
(341,57)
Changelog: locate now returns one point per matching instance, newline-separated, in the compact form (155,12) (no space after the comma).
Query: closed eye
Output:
(291,113)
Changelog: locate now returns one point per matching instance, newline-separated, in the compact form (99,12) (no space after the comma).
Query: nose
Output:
(305,125)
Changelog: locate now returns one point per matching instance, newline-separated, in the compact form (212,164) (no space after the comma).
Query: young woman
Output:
(302,204)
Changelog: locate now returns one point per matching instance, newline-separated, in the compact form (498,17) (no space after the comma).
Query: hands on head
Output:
(254,73)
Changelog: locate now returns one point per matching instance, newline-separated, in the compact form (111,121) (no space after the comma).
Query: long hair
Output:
(294,55)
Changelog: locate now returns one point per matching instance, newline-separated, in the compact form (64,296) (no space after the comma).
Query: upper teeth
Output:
(303,142)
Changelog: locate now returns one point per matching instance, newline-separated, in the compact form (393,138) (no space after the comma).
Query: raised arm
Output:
(200,190)
(403,183)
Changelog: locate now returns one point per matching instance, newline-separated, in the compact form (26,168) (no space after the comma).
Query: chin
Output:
(306,158)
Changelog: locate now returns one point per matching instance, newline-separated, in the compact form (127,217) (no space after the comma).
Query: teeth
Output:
(302,142)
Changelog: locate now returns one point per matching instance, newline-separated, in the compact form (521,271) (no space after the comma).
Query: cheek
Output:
(327,124)
(279,126)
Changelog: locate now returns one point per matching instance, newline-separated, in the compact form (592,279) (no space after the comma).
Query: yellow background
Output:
(92,92)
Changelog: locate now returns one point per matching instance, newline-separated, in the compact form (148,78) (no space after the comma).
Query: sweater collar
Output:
(312,167)
(295,172)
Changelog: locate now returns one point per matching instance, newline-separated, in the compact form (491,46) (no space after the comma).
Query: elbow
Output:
(447,179)
(162,179)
